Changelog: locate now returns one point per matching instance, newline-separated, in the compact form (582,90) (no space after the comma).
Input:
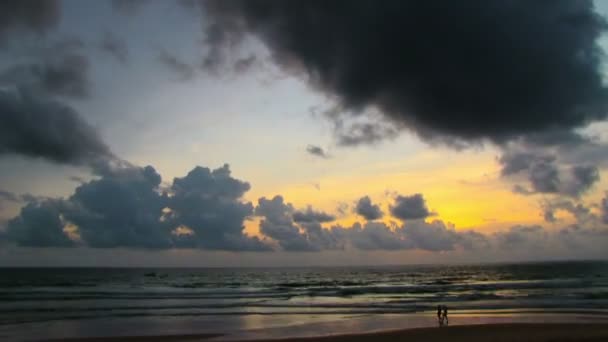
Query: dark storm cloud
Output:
(316,151)
(466,71)
(310,215)
(410,207)
(65,75)
(181,69)
(115,47)
(33,125)
(37,16)
(367,210)
(124,208)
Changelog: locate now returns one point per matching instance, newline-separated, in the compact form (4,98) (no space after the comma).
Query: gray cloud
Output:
(367,210)
(9,196)
(507,93)
(316,151)
(37,16)
(583,177)
(581,213)
(114,46)
(34,125)
(128,7)
(39,225)
(181,69)
(310,215)
(243,65)
(374,236)
(410,207)
(546,173)
(278,224)
(522,237)
(604,208)
(358,133)
(544,177)
(64,75)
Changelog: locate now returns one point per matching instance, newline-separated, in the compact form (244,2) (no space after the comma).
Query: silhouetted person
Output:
(439,319)
(444,317)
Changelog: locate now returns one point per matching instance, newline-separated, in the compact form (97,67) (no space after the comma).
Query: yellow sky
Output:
(462,188)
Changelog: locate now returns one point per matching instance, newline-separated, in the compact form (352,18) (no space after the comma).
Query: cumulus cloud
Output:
(546,173)
(125,208)
(410,207)
(279,225)
(367,210)
(209,203)
(39,224)
(486,81)
(37,126)
(284,224)
(316,151)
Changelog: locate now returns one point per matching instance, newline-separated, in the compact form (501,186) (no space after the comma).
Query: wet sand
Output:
(520,332)
(481,333)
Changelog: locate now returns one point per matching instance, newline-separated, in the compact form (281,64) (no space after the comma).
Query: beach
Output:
(412,327)
(520,332)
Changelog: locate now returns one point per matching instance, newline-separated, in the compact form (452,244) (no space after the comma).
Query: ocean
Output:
(76,302)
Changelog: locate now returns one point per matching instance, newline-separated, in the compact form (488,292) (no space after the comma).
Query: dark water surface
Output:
(85,299)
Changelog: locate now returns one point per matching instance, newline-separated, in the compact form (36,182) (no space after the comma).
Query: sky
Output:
(295,133)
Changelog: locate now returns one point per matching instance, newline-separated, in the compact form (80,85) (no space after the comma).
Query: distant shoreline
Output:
(247,267)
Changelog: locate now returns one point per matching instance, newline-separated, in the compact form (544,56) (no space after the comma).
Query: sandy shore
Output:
(520,332)
(482,333)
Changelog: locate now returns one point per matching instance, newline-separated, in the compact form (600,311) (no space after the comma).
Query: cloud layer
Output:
(126,206)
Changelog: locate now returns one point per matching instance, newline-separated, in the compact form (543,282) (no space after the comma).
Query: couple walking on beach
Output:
(442,315)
